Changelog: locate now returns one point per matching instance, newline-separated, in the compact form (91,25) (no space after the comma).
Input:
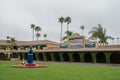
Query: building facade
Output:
(79,50)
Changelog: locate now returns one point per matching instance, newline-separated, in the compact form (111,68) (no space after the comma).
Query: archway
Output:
(100,57)
(88,57)
(13,55)
(34,56)
(76,57)
(66,57)
(2,55)
(115,57)
(48,57)
(25,56)
(40,55)
(21,56)
(56,57)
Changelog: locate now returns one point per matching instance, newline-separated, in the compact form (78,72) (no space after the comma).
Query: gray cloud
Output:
(17,15)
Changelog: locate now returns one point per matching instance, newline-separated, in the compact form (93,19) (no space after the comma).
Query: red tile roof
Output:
(3,42)
(109,46)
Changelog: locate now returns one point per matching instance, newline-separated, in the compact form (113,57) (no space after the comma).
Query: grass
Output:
(59,71)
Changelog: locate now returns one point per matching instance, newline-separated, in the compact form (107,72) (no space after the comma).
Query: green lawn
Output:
(59,71)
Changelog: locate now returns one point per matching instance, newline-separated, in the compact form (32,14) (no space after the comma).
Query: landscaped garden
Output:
(60,71)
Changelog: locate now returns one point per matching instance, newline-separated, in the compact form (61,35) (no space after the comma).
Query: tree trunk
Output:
(67,26)
(61,33)
(33,34)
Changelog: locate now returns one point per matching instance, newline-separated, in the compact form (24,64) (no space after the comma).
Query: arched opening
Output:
(66,57)
(115,58)
(2,55)
(13,55)
(40,55)
(34,56)
(21,56)
(100,58)
(48,57)
(25,56)
(56,57)
(88,57)
(76,57)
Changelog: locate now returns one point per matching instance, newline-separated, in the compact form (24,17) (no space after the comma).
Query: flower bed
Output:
(30,64)
(25,65)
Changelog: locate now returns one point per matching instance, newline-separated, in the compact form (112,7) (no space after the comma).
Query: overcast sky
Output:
(16,16)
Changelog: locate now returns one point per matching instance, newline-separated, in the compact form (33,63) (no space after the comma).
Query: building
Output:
(78,49)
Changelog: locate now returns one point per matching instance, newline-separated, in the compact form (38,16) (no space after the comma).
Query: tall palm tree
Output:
(37,29)
(11,42)
(112,40)
(33,27)
(61,20)
(99,33)
(68,20)
(45,35)
(117,40)
(82,28)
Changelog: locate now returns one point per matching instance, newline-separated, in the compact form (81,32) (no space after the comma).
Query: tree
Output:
(82,28)
(68,20)
(38,35)
(112,38)
(33,27)
(105,39)
(61,20)
(117,40)
(68,34)
(99,33)
(45,35)
(37,29)
(11,41)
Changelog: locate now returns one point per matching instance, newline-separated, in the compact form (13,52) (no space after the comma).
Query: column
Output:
(81,56)
(36,56)
(107,55)
(70,57)
(52,56)
(61,57)
(94,56)
(44,57)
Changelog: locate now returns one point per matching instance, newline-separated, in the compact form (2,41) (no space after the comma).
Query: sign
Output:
(76,42)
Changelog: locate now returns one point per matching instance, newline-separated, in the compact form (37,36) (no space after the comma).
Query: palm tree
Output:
(68,20)
(61,20)
(38,35)
(33,27)
(99,33)
(11,42)
(117,40)
(113,40)
(45,35)
(68,34)
(37,29)
(82,28)
(105,39)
